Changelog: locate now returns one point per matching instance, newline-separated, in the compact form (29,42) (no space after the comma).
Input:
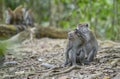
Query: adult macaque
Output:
(75,52)
(81,42)
(28,18)
(91,44)
(19,16)
(14,17)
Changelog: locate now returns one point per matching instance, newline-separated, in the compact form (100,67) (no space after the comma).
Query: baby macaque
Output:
(75,52)
(91,44)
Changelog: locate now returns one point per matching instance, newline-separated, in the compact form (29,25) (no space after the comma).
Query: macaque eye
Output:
(78,34)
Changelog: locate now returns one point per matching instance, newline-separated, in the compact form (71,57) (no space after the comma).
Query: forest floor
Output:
(43,58)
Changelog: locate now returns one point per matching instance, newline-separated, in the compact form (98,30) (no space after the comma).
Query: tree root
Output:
(48,70)
(67,70)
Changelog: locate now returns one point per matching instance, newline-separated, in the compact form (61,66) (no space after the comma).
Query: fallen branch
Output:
(7,31)
(65,71)
(50,32)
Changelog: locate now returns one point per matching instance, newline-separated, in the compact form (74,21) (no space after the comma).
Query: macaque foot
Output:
(75,65)
(10,63)
(66,64)
(86,62)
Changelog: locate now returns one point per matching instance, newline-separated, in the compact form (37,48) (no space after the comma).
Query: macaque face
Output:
(82,28)
(72,35)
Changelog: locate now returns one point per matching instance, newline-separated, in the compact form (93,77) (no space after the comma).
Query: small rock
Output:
(11,63)
(20,72)
(47,65)
(40,59)
(34,52)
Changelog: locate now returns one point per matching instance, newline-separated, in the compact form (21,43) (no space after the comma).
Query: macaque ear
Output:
(86,25)
(79,25)
(29,11)
(9,10)
(18,8)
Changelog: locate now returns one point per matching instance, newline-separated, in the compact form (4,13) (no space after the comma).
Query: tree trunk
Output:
(1,8)
(52,12)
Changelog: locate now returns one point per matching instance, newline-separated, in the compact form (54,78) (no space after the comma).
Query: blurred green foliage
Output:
(3,47)
(102,15)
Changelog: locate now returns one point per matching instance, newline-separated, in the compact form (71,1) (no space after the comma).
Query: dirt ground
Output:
(43,58)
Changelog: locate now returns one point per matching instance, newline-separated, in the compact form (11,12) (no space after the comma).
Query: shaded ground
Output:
(32,55)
